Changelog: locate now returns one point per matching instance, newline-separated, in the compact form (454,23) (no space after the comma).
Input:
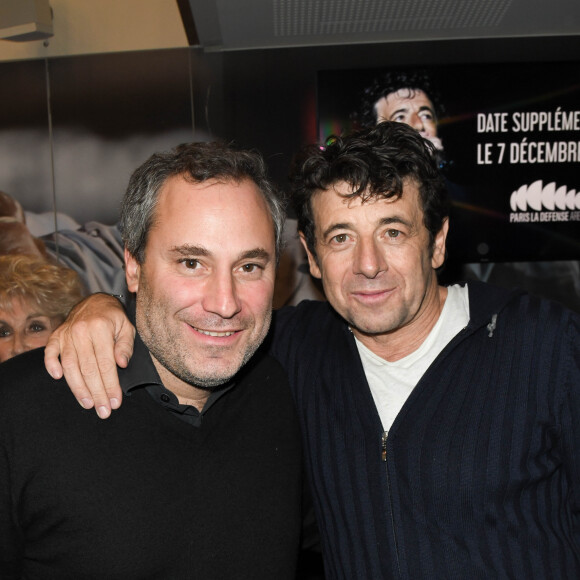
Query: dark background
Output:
(72,129)
(481,193)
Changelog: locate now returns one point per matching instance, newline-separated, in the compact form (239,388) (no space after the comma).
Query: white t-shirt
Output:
(392,382)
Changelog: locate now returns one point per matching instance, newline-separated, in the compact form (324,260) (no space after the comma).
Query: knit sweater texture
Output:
(144,494)
(478,477)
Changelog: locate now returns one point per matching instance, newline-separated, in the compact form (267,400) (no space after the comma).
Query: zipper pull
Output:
(384,445)
(491,326)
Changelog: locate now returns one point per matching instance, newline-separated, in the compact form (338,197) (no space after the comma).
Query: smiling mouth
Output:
(212,333)
(372,292)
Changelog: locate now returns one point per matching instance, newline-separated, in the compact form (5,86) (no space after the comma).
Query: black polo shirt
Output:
(142,374)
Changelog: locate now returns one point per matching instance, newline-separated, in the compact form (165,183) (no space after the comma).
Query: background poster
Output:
(511,138)
(72,130)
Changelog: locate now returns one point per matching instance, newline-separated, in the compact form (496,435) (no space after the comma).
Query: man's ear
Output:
(438,256)
(132,271)
(314,269)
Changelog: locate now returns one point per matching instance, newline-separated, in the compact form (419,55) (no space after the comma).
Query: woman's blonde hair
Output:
(55,289)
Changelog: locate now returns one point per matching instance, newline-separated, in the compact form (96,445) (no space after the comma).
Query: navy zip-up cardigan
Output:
(479,474)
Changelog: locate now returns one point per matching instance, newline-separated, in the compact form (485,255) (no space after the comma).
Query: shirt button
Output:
(165,398)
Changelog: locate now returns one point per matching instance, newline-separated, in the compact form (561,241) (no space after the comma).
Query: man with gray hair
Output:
(199,475)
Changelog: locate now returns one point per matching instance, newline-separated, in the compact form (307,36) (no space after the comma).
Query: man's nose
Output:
(369,258)
(417,123)
(221,296)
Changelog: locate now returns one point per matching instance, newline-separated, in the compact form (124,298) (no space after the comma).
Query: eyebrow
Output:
(189,250)
(399,110)
(406,110)
(394,220)
(28,317)
(334,227)
(37,315)
(256,254)
(382,222)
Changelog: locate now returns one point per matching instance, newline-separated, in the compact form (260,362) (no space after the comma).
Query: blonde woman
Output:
(35,297)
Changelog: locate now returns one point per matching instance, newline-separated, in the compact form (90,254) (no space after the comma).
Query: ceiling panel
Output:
(252,24)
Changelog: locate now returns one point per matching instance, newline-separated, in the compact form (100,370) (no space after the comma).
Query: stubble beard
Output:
(169,349)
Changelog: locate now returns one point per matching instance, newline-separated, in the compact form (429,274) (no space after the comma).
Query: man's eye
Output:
(427,116)
(190,263)
(249,268)
(4,332)
(340,238)
(399,118)
(393,233)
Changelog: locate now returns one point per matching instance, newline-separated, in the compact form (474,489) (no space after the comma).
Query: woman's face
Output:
(23,328)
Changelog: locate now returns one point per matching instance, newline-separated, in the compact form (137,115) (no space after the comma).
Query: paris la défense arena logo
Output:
(544,203)
(536,197)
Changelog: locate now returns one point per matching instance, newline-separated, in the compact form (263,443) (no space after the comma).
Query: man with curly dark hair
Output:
(404,96)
